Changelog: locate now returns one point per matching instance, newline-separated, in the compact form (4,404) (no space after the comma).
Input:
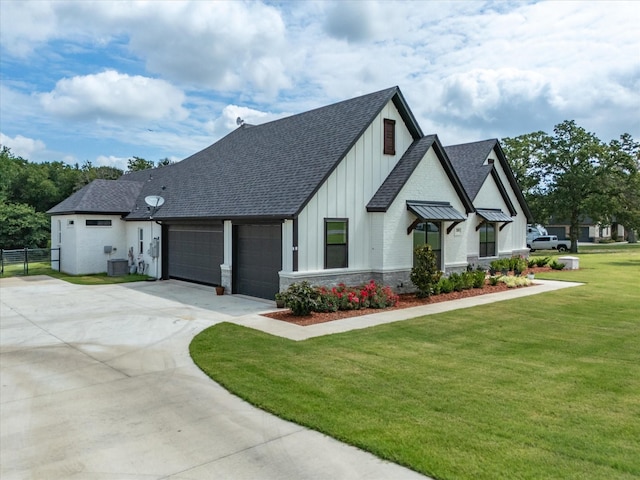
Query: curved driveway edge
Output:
(97,383)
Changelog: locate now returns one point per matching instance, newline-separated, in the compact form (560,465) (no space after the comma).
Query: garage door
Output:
(584,235)
(557,231)
(195,253)
(257,259)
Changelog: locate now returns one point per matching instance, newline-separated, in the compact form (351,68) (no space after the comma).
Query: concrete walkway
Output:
(97,383)
(296,332)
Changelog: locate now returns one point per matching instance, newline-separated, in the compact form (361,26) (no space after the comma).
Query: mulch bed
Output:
(406,301)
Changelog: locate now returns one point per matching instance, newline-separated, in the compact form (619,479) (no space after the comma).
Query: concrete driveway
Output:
(97,383)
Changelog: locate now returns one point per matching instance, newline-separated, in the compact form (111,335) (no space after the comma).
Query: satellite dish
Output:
(154,201)
(239,121)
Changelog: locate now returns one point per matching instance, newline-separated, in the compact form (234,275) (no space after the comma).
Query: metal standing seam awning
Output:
(493,215)
(440,211)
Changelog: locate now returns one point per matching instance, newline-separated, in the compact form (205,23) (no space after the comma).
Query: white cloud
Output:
(469,70)
(110,95)
(111,161)
(36,24)
(227,121)
(22,146)
(224,45)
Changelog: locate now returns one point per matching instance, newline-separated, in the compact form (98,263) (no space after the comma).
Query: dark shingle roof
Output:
(468,159)
(101,196)
(392,185)
(269,170)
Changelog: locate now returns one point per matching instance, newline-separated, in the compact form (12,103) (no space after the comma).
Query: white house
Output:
(342,193)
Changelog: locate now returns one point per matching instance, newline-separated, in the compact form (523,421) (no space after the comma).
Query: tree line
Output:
(572,175)
(568,175)
(28,190)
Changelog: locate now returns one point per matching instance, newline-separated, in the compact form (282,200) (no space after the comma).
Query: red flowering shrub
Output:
(302,298)
(343,297)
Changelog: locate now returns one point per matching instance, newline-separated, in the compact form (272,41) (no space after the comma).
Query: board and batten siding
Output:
(346,193)
(429,182)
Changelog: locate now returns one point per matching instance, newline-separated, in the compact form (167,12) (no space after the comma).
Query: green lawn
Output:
(543,387)
(16,270)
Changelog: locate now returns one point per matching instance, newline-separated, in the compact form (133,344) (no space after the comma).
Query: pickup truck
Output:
(549,242)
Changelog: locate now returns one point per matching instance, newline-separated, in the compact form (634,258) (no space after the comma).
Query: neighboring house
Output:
(342,193)
(589,230)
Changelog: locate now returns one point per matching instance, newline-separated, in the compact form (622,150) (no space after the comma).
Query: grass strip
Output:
(546,386)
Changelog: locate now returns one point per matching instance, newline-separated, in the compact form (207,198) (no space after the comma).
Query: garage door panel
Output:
(258,259)
(195,253)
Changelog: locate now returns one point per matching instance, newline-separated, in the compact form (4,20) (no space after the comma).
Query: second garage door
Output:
(257,259)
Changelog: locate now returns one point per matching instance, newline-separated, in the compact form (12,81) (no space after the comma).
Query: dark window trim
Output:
(97,223)
(438,251)
(486,244)
(346,245)
(389,137)
(140,240)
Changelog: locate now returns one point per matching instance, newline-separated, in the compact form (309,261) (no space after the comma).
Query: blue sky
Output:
(107,80)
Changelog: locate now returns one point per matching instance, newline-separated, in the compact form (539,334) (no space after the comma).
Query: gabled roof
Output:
(270,170)
(468,160)
(392,185)
(101,196)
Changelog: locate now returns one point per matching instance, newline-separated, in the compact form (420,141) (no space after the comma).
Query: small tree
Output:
(21,226)
(137,164)
(425,273)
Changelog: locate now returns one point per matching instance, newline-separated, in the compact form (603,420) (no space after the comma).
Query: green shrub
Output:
(301,298)
(542,261)
(500,265)
(467,280)
(425,274)
(457,281)
(478,278)
(556,265)
(493,280)
(445,285)
(517,264)
(327,301)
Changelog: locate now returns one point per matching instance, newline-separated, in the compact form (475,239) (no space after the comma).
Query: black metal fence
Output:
(26,256)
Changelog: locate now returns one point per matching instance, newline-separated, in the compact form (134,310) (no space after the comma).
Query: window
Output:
(488,240)
(98,223)
(70,223)
(140,241)
(389,136)
(336,243)
(59,231)
(429,233)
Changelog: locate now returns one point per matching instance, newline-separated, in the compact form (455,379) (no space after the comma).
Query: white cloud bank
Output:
(469,70)
(111,95)
(22,146)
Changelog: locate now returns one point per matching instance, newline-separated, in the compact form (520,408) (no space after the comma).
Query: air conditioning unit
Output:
(117,267)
